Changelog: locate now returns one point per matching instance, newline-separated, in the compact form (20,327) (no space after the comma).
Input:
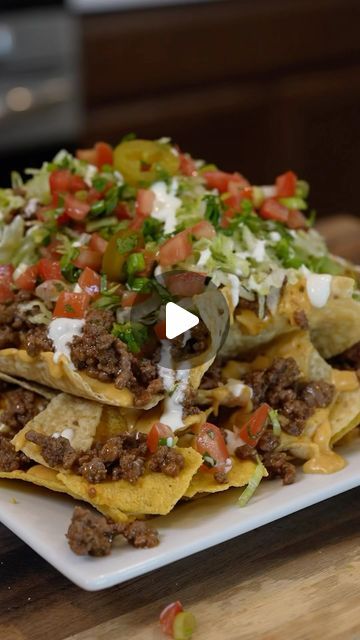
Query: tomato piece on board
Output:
(175,249)
(90,281)
(252,430)
(97,243)
(76,209)
(286,185)
(296,220)
(27,279)
(49,269)
(203,229)
(145,199)
(71,305)
(168,615)
(158,431)
(185,284)
(271,209)
(210,442)
(220,180)
(88,258)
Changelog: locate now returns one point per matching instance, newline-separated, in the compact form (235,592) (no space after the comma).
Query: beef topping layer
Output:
(282,388)
(20,406)
(12,460)
(103,356)
(277,463)
(92,534)
(17,331)
(123,457)
(349,359)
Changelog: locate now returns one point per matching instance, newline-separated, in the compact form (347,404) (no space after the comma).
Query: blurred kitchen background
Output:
(255,85)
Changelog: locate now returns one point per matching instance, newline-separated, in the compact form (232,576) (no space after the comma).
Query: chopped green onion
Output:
(141,284)
(132,334)
(302,189)
(294,203)
(135,263)
(254,482)
(152,230)
(99,183)
(99,224)
(213,209)
(170,441)
(97,208)
(127,243)
(184,625)
(273,415)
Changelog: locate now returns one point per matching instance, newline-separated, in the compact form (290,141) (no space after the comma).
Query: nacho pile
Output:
(97,403)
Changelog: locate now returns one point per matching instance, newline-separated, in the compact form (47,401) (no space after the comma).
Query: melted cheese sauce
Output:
(345,380)
(318,288)
(323,460)
(61,331)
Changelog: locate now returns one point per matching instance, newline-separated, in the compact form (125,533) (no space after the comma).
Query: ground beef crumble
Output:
(92,534)
(123,457)
(277,463)
(103,356)
(349,359)
(10,459)
(16,329)
(20,406)
(282,388)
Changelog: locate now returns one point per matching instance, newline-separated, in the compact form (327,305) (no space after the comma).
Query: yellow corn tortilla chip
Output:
(80,416)
(36,388)
(344,414)
(153,493)
(238,476)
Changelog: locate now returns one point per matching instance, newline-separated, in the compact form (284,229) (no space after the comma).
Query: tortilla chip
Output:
(36,388)
(153,493)
(344,414)
(298,345)
(63,412)
(39,475)
(238,476)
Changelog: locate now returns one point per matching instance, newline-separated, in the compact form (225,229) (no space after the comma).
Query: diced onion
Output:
(43,317)
(49,290)
(275,422)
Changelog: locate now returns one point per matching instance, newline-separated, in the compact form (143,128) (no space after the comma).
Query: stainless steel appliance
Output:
(40,95)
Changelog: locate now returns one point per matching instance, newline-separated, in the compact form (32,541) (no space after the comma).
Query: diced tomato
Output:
(149,258)
(253,429)
(75,208)
(296,220)
(88,258)
(237,193)
(97,243)
(160,329)
(51,250)
(145,199)
(104,154)
(59,181)
(123,213)
(271,209)
(203,229)
(187,165)
(156,433)
(6,293)
(71,305)
(99,155)
(87,155)
(175,249)
(6,272)
(168,615)
(93,196)
(129,298)
(186,284)
(220,180)
(286,185)
(77,183)
(210,441)
(27,279)
(90,281)
(49,269)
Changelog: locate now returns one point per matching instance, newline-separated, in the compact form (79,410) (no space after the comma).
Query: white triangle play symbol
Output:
(178,320)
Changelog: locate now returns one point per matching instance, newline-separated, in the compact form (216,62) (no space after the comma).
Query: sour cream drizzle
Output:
(175,384)
(318,288)
(166,204)
(61,331)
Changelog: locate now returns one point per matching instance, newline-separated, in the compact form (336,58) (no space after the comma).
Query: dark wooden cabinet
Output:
(257,85)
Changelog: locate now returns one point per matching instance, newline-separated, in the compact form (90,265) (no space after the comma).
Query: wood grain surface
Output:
(296,579)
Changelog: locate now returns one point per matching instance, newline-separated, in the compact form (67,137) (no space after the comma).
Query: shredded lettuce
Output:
(259,473)
(11,238)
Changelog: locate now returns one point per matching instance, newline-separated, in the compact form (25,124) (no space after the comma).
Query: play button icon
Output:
(178,320)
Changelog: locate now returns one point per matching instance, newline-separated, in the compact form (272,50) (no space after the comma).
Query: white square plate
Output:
(41,518)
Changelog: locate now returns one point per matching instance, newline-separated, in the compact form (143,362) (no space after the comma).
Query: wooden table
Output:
(297,578)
